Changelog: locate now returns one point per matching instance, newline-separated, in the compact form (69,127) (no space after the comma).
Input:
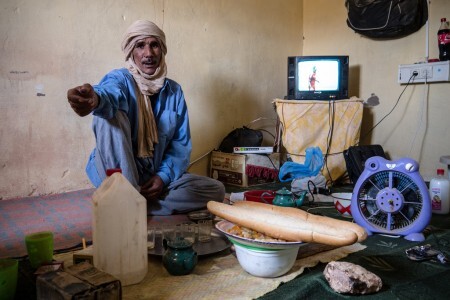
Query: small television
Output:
(317,77)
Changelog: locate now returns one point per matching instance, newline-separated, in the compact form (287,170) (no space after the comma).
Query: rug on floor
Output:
(67,215)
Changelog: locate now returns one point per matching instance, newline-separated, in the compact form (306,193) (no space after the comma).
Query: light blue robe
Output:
(115,126)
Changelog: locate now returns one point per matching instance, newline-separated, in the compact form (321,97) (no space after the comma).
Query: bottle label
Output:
(444,38)
(436,199)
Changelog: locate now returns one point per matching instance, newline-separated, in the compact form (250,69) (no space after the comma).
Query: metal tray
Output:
(217,244)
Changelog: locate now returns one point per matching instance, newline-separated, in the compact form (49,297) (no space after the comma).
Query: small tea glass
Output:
(189,232)
(204,230)
(151,234)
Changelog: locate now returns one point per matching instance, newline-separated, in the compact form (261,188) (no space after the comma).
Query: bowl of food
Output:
(265,263)
(260,255)
(342,202)
(264,196)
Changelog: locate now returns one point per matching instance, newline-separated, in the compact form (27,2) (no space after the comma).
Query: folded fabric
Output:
(311,167)
(261,172)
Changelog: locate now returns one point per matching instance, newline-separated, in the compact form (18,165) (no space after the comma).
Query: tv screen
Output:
(317,77)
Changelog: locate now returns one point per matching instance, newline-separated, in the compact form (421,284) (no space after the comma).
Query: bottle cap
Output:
(440,171)
(443,19)
(109,172)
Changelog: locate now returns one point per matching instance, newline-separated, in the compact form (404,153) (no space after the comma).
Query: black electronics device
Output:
(317,77)
(356,156)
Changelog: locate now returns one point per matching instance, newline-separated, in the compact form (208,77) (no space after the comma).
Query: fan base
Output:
(415,237)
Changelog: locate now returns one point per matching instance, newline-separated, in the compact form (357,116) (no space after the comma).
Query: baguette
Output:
(281,223)
(308,217)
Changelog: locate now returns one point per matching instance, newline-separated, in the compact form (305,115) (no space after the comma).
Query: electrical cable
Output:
(331,119)
(396,103)
(423,111)
(329,138)
(271,161)
(258,119)
(268,132)
(331,124)
(199,158)
(277,141)
(320,207)
(311,192)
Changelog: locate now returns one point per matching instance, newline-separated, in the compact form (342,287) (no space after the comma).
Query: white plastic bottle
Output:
(439,193)
(119,230)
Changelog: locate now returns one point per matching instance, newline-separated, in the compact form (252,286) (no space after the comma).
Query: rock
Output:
(348,278)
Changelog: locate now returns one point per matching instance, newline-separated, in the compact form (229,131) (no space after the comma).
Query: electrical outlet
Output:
(422,72)
(426,72)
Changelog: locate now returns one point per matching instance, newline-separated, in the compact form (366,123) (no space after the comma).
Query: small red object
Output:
(264,196)
(109,172)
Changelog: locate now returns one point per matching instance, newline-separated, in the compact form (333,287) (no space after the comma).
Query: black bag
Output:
(241,137)
(386,18)
(356,156)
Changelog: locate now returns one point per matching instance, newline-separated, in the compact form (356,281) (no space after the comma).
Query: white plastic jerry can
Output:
(119,231)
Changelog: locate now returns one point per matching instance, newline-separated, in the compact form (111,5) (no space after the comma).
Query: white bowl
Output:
(262,258)
(223,226)
(342,202)
(264,262)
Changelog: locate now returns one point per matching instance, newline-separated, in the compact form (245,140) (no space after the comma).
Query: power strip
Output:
(250,150)
(426,72)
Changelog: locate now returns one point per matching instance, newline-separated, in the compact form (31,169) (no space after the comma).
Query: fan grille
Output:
(390,201)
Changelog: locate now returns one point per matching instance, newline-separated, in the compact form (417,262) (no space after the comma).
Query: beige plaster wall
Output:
(229,56)
(419,127)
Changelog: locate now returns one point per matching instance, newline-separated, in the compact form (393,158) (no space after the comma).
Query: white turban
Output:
(140,30)
(148,84)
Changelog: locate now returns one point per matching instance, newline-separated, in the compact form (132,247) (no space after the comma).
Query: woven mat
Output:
(216,277)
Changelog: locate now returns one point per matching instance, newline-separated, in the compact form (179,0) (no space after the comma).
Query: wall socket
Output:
(426,72)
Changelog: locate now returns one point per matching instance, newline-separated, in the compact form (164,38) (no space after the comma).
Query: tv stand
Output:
(333,126)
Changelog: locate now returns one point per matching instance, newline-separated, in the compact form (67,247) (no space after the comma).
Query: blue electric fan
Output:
(391,197)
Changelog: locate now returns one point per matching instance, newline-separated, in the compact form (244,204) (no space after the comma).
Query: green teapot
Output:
(286,198)
(179,257)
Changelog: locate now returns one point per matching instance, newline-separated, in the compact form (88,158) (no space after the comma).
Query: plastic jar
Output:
(119,230)
(439,193)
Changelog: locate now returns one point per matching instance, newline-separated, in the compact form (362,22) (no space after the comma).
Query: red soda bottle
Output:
(444,40)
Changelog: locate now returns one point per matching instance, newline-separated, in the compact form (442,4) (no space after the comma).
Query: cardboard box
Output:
(244,169)
(80,281)
(85,254)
